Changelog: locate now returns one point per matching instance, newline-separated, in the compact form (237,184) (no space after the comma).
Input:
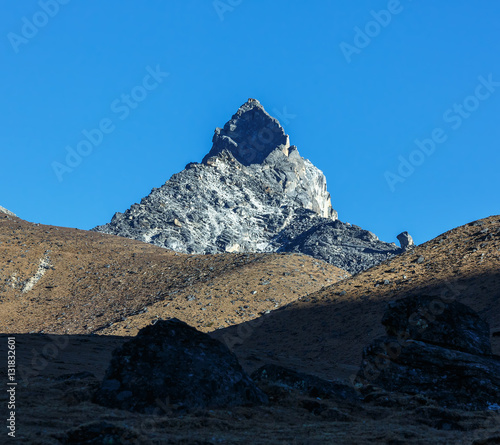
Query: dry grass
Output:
(113,285)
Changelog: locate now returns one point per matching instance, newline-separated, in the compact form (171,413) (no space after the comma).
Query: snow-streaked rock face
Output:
(252,192)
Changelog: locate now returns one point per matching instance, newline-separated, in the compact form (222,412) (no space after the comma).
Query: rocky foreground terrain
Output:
(303,332)
(252,192)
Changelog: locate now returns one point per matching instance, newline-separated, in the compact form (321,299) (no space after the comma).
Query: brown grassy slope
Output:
(92,282)
(326,332)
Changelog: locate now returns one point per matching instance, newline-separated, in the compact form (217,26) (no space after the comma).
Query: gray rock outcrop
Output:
(435,348)
(435,320)
(346,246)
(252,192)
(405,240)
(171,363)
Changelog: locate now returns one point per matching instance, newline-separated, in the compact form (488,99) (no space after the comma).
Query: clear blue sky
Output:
(360,91)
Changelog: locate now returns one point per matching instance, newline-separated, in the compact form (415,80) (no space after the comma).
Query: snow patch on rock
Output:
(44,265)
(8,212)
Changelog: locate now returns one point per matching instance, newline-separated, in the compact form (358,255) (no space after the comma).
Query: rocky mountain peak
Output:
(250,136)
(252,192)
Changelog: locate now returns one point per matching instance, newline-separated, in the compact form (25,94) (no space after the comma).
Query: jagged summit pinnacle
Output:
(250,136)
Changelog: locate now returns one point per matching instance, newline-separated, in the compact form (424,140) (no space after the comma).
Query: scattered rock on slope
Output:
(435,348)
(438,321)
(253,192)
(171,363)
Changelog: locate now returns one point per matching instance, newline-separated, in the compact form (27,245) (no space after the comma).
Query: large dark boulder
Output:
(442,354)
(171,363)
(434,320)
